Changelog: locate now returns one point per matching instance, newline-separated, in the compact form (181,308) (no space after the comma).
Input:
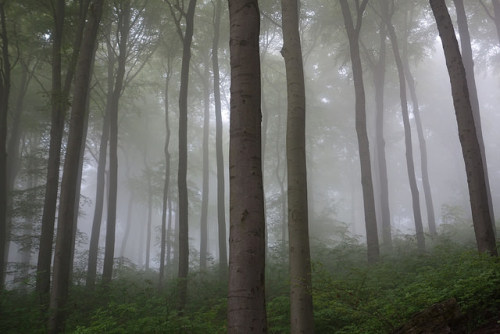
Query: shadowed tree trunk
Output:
(301,306)
(363,143)
(483,224)
(466,50)
(221,198)
(4,106)
(246,295)
(410,165)
(123,30)
(59,293)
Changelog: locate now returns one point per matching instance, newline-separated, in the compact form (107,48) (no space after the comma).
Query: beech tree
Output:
(246,296)
(482,220)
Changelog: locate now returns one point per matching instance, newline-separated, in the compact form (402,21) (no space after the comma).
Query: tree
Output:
(246,295)
(186,38)
(221,205)
(60,286)
(353,32)
(483,224)
(410,165)
(301,307)
(4,106)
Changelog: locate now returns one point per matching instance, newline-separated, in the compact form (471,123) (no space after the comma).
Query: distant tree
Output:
(353,32)
(246,296)
(301,306)
(496,14)
(60,286)
(483,224)
(410,165)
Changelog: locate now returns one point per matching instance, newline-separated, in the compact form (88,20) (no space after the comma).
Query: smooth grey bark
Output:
(301,305)
(62,256)
(123,30)
(221,197)
(481,218)
(353,32)
(468,60)
(246,295)
(410,165)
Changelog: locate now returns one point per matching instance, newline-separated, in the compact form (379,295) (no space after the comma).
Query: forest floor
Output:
(491,327)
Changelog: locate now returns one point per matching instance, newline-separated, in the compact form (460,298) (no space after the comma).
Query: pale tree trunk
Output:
(483,224)
(363,142)
(221,198)
(246,295)
(424,165)
(4,106)
(59,107)
(496,11)
(301,306)
(123,30)
(468,60)
(150,213)
(186,37)
(62,258)
(410,165)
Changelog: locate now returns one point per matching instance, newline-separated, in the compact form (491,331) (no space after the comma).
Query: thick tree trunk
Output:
(301,306)
(221,198)
(4,106)
(483,224)
(468,60)
(59,293)
(246,297)
(410,165)
(363,142)
(123,31)
(182,170)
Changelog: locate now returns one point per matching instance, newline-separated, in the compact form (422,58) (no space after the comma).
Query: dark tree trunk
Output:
(123,32)
(410,165)
(363,143)
(246,297)
(483,224)
(465,42)
(221,198)
(59,293)
(301,306)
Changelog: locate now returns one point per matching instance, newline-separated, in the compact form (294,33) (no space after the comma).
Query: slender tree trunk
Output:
(301,306)
(496,12)
(483,224)
(169,237)
(205,182)
(246,297)
(59,107)
(363,143)
(379,69)
(150,213)
(128,225)
(4,106)
(123,31)
(468,60)
(59,293)
(221,198)
(182,170)
(410,165)
(164,231)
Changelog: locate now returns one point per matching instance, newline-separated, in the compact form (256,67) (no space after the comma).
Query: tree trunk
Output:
(301,306)
(4,106)
(496,12)
(465,42)
(123,30)
(182,170)
(128,225)
(59,293)
(150,213)
(246,296)
(483,224)
(363,143)
(410,165)
(221,198)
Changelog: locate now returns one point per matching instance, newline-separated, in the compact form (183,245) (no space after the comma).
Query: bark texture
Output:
(363,143)
(62,258)
(246,296)
(483,224)
(301,306)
